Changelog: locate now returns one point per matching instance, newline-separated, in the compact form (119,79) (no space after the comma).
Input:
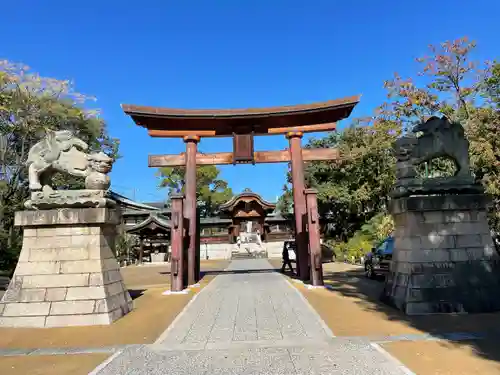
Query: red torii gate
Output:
(242,125)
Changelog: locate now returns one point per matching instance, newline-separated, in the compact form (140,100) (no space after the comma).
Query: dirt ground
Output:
(153,276)
(445,358)
(152,314)
(353,309)
(76,364)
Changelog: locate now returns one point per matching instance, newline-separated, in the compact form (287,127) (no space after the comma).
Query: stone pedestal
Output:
(444,260)
(67,274)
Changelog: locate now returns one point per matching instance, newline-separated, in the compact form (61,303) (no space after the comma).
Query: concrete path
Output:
(251,323)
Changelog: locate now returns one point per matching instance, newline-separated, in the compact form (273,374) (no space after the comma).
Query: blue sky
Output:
(230,54)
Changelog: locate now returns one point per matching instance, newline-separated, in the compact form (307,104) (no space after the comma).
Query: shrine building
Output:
(150,224)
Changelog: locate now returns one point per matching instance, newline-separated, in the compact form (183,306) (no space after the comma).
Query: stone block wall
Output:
(444,260)
(67,274)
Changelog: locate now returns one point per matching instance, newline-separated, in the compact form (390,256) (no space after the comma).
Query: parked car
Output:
(378,261)
(327,253)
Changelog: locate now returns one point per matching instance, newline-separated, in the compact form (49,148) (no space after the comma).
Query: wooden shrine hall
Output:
(242,125)
(245,207)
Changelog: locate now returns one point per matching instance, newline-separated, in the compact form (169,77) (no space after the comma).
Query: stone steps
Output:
(242,255)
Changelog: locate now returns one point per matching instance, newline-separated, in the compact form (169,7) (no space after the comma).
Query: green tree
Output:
(358,245)
(483,130)
(285,201)
(211,191)
(490,87)
(378,227)
(464,90)
(29,106)
(355,188)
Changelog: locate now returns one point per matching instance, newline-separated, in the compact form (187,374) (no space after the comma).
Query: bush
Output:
(356,247)
(359,245)
(378,228)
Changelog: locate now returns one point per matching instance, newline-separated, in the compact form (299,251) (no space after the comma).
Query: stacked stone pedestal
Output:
(444,259)
(67,274)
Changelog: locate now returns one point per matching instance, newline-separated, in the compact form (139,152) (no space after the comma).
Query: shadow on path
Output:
(216,272)
(479,331)
(237,272)
(136,293)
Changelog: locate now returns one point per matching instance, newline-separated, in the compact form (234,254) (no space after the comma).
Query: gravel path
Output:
(250,320)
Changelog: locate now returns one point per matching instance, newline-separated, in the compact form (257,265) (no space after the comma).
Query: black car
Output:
(327,253)
(378,262)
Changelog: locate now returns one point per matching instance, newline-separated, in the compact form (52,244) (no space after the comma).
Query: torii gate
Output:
(242,125)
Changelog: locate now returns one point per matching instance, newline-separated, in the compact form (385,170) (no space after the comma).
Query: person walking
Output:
(286,258)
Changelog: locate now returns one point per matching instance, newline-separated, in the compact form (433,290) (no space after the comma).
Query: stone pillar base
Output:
(444,259)
(67,274)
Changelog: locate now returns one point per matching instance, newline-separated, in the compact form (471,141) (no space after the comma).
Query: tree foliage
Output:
(211,190)
(29,106)
(285,201)
(378,228)
(353,191)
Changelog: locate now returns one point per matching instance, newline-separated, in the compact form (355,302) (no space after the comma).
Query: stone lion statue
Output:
(434,138)
(61,151)
(438,137)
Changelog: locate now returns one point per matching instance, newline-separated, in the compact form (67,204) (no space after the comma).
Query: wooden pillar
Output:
(190,204)
(313,230)
(197,248)
(177,239)
(299,203)
(141,249)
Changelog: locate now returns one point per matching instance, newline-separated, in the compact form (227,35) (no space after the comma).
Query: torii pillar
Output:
(314,237)
(190,205)
(177,239)
(299,203)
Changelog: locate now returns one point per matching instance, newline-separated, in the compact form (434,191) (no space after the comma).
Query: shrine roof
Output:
(129,204)
(224,122)
(153,223)
(247,196)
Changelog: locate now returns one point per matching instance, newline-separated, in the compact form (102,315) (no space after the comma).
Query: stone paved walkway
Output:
(251,323)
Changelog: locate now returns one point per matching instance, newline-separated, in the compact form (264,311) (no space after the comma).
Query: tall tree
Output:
(483,131)
(354,189)
(464,90)
(211,191)
(285,201)
(29,106)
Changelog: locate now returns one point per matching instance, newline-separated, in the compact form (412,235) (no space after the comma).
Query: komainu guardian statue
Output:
(61,151)
(434,138)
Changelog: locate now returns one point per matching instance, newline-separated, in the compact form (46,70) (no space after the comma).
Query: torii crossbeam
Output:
(242,125)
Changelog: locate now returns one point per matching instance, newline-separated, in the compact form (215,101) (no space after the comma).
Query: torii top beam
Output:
(168,122)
